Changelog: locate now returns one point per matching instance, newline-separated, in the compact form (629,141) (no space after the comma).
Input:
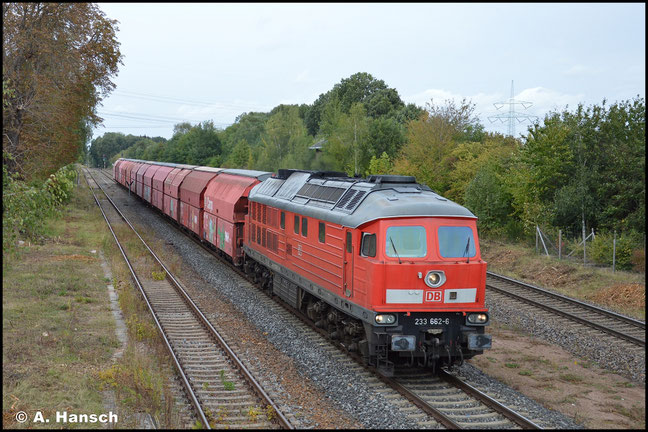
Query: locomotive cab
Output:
(425,279)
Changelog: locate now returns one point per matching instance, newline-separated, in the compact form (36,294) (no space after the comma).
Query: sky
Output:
(214,61)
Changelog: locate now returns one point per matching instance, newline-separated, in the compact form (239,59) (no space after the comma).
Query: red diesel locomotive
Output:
(391,269)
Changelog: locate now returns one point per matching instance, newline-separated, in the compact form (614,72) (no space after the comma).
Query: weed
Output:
(228,385)
(158,275)
(525,373)
(270,412)
(570,378)
(253,413)
(512,365)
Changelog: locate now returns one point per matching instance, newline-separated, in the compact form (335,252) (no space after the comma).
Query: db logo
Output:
(432,296)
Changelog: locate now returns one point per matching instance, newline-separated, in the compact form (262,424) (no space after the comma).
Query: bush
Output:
(24,207)
(601,250)
(639,260)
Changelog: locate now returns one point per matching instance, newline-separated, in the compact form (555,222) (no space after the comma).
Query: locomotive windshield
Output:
(456,242)
(406,242)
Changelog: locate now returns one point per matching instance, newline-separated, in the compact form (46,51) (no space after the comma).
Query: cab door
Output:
(348,263)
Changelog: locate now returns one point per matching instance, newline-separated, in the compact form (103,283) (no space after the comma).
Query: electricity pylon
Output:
(512,115)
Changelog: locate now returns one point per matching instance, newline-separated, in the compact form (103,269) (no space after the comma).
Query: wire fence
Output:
(609,250)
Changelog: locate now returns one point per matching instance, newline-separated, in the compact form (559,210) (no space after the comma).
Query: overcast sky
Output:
(197,62)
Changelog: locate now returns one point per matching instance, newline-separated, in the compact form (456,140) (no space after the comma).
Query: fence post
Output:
(614,252)
(584,244)
(559,244)
(536,233)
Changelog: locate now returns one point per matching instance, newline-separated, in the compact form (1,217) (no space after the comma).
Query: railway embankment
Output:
(600,384)
(61,351)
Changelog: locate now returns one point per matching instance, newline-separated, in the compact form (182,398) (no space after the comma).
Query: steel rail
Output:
(258,389)
(507,412)
(185,380)
(620,317)
(568,315)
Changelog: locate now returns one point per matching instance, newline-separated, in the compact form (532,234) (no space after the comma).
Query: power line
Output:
(172,99)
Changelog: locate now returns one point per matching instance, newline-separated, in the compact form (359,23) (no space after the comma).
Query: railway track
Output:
(222,391)
(427,399)
(616,325)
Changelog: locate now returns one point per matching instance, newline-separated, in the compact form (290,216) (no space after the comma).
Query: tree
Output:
(587,165)
(431,140)
(240,155)
(378,100)
(381,165)
(284,139)
(58,61)
(347,147)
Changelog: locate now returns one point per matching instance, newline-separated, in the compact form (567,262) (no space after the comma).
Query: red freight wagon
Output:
(172,190)
(140,179)
(133,176)
(148,181)
(192,192)
(225,207)
(157,197)
(116,172)
(121,173)
(127,167)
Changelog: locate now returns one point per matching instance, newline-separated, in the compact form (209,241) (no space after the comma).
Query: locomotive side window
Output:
(406,242)
(296,224)
(322,232)
(368,247)
(283,220)
(305,227)
(349,244)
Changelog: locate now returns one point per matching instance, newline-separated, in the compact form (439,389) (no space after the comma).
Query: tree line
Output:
(585,164)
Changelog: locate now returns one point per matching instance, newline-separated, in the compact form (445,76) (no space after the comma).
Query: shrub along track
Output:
(221,389)
(429,400)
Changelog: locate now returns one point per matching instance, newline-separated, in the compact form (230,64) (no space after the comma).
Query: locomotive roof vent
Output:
(378,179)
(333,174)
(283,173)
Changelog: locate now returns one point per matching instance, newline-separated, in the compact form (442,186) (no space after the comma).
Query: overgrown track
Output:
(619,326)
(427,399)
(222,391)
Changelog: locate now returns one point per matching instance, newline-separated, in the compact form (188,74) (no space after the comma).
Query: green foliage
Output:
(602,248)
(588,164)
(381,165)
(487,197)
(430,142)
(26,206)
(347,146)
(378,100)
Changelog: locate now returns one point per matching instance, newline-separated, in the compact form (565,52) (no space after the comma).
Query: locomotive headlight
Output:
(385,319)
(477,318)
(435,278)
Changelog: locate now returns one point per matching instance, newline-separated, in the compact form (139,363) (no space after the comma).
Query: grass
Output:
(57,325)
(59,331)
